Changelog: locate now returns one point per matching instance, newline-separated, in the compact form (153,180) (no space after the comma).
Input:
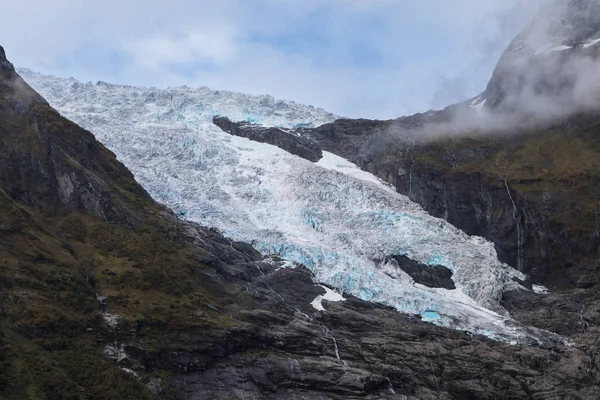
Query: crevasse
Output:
(330,216)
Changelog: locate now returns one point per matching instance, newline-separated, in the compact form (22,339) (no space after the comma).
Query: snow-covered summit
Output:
(340,222)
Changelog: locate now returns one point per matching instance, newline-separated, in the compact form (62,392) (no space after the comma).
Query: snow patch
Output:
(539,289)
(111,320)
(132,372)
(287,264)
(550,48)
(329,295)
(477,104)
(591,43)
(475,101)
(333,162)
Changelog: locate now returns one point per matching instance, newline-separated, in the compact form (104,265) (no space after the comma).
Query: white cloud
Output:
(210,45)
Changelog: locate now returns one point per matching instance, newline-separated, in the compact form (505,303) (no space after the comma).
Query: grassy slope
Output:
(57,253)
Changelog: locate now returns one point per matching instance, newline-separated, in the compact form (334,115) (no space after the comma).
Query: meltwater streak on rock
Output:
(336,223)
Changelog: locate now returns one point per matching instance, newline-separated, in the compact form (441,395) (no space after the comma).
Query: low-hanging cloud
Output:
(550,71)
(210,44)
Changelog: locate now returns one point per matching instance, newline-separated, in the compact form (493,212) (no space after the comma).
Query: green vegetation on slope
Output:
(74,224)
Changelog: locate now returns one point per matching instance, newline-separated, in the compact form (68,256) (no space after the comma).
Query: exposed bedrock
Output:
(353,350)
(291,142)
(435,276)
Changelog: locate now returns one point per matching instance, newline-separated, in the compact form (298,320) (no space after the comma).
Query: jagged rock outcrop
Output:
(358,350)
(291,142)
(428,275)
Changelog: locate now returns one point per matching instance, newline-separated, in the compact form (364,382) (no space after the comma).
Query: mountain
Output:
(79,237)
(104,293)
(549,68)
(107,294)
(345,225)
(517,165)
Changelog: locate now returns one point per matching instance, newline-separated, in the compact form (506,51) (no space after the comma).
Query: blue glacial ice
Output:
(330,216)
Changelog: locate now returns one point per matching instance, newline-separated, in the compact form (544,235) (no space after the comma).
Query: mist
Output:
(551,70)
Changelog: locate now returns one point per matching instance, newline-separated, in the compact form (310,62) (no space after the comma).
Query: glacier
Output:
(330,216)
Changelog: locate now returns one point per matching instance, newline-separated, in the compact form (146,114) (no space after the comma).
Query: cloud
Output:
(377,58)
(549,72)
(213,45)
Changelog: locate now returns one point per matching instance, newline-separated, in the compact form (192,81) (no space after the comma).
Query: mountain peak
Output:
(549,68)
(60,167)
(5,65)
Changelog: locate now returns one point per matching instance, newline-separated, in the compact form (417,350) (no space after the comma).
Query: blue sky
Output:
(356,58)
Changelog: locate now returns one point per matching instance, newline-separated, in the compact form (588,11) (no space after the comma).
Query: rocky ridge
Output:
(546,69)
(290,142)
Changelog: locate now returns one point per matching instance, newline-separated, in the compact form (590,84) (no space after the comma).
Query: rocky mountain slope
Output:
(517,165)
(547,68)
(106,294)
(345,225)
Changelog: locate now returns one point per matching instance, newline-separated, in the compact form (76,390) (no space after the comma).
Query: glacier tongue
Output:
(330,216)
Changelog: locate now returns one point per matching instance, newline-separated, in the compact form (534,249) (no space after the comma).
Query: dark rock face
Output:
(360,350)
(347,137)
(290,142)
(554,312)
(434,276)
(5,65)
(58,165)
(534,193)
